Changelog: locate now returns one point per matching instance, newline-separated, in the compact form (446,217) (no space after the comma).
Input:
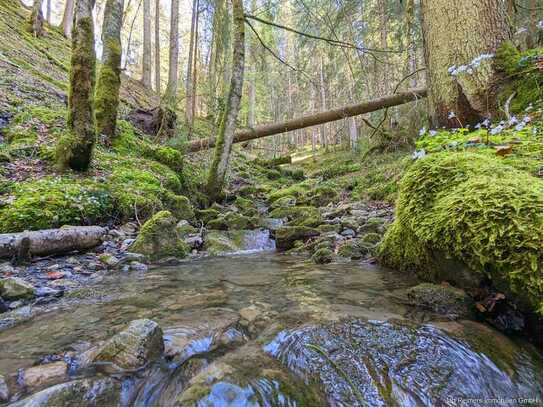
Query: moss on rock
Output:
(299,215)
(323,256)
(158,238)
(287,236)
(477,210)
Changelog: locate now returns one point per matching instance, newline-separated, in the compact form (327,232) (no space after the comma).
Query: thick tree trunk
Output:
(313,119)
(157,46)
(225,136)
(68,18)
(147,50)
(75,149)
(455,32)
(168,116)
(35,23)
(50,241)
(109,79)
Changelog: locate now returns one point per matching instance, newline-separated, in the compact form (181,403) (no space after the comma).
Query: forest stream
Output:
(270,329)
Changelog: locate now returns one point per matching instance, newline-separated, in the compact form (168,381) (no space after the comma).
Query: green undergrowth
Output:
(477,209)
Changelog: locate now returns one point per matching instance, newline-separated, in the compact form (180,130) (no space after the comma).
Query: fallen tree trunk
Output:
(313,119)
(50,241)
(274,162)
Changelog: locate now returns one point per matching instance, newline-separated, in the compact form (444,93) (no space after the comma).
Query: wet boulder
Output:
(134,347)
(287,236)
(299,215)
(158,238)
(441,299)
(14,288)
(39,377)
(323,256)
(82,393)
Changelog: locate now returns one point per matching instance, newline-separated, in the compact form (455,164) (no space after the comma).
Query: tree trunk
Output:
(251,58)
(190,67)
(168,125)
(157,46)
(323,103)
(67,18)
(129,41)
(535,35)
(109,78)
(48,11)
(35,23)
(455,32)
(50,241)
(313,119)
(147,50)
(75,149)
(225,136)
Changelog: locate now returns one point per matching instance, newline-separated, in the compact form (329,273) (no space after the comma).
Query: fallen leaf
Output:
(504,150)
(55,275)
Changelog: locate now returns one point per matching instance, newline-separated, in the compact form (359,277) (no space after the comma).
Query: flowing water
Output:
(309,335)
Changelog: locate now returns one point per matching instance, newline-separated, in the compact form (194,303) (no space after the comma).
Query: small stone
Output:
(6,269)
(109,260)
(55,275)
(348,233)
(126,244)
(39,377)
(14,288)
(137,266)
(63,283)
(47,291)
(16,304)
(250,314)
(129,256)
(72,260)
(4,391)
(129,228)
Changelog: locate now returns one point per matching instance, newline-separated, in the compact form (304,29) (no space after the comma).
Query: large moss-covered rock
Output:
(323,256)
(287,236)
(134,347)
(476,210)
(180,206)
(299,215)
(159,238)
(14,288)
(207,215)
(323,195)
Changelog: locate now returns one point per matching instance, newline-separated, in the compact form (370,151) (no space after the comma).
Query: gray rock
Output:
(16,304)
(14,288)
(348,233)
(134,347)
(4,391)
(47,291)
(80,393)
(109,260)
(194,242)
(129,256)
(137,266)
(6,268)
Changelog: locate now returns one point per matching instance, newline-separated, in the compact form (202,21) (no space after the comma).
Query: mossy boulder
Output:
(159,238)
(207,215)
(297,190)
(477,210)
(219,242)
(246,207)
(184,228)
(287,236)
(323,195)
(180,206)
(323,256)
(233,221)
(442,299)
(371,238)
(354,249)
(299,215)
(140,343)
(284,202)
(14,288)
(373,225)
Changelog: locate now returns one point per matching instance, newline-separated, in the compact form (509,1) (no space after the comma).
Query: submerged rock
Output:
(80,393)
(134,347)
(14,288)
(372,363)
(159,238)
(220,242)
(442,299)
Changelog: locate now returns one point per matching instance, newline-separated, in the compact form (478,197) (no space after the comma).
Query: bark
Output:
(129,41)
(35,23)
(313,119)
(157,46)
(67,18)
(50,241)
(48,11)
(168,117)
(147,50)
(75,149)
(190,64)
(454,33)
(109,78)
(323,102)
(225,136)
(534,37)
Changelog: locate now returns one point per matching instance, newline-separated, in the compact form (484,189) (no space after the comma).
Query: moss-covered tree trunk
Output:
(35,22)
(109,78)
(67,18)
(168,117)
(225,136)
(455,33)
(147,50)
(75,149)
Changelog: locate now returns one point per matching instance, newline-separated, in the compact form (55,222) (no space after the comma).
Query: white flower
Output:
(526,119)
(422,131)
(418,154)
(540,25)
(513,120)
(451,115)
(521,30)
(432,133)
(520,126)
(497,130)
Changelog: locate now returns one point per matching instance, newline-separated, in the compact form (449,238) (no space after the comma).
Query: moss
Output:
(322,195)
(299,215)
(371,237)
(477,210)
(158,238)
(323,256)
(52,202)
(179,205)
(354,249)
(284,202)
(296,190)
(246,206)
(442,299)
(287,236)
(232,221)
(207,215)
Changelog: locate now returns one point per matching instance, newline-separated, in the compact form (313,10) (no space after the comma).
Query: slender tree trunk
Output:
(157,46)
(67,18)
(190,67)
(455,32)
(48,11)
(35,23)
(168,124)
(109,78)
(194,96)
(251,58)
(535,36)
(129,41)
(225,136)
(147,50)
(75,150)
(323,102)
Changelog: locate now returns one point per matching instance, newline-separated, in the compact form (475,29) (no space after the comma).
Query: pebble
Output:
(47,291)
(136,266)
(348,233)
(15,304)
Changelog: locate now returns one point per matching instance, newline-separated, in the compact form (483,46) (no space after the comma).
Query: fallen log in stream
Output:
(50,241)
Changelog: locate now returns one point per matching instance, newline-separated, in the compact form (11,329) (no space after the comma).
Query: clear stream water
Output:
(391,364)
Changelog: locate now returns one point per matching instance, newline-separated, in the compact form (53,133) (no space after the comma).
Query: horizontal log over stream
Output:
(50,241)
(314,119)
